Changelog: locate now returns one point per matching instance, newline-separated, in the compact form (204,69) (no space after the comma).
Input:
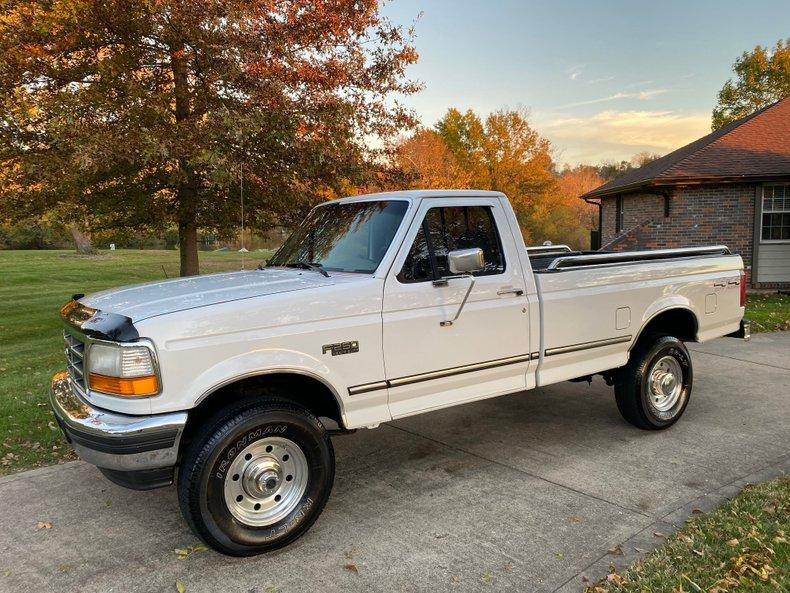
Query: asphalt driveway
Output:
(529,492)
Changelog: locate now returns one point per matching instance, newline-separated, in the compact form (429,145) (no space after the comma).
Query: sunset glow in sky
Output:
(603,80)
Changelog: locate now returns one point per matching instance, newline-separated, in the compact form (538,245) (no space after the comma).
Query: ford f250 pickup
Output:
(377,307)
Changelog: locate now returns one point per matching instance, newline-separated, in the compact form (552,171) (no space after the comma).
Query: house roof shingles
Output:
(756,146)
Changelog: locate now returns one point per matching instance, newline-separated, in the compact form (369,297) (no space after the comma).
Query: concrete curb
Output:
(39,471)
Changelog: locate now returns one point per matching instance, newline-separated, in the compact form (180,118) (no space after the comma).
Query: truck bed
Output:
(546,259)
(595,304)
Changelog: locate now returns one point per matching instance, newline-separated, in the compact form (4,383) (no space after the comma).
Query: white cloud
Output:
(602,79)
(640,95)
(617,135)
(574,72)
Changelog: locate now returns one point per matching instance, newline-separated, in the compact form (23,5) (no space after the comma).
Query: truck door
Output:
(485,352)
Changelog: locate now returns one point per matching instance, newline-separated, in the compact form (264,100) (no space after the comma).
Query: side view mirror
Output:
(466,261)
(462,262)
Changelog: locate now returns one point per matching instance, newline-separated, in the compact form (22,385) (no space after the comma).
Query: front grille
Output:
(75,352)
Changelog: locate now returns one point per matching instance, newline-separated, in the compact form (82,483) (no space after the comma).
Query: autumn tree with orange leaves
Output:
(502,152)
(149,112)
(424,160)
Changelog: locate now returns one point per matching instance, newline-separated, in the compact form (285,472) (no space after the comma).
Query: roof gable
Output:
(757,145)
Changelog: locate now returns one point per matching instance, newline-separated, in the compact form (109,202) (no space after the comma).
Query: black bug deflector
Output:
(98,324)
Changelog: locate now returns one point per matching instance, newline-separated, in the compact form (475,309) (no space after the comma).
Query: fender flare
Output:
(673,303)
(261,363)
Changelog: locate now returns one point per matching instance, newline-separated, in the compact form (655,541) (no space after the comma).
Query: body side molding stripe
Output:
(479,366)
(587,345)
(364,388)
(468,368)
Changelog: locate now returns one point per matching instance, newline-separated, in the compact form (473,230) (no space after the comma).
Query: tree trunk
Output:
(188,187)
(82,240)
(188,248)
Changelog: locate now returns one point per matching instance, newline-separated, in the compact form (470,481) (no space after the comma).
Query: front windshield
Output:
(344,237)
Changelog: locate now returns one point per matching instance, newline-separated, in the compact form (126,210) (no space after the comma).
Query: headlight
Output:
(122,370)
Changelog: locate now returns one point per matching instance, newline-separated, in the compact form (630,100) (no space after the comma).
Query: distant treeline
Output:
(33,234)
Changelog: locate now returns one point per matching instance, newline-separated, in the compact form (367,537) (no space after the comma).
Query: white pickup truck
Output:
(377,307)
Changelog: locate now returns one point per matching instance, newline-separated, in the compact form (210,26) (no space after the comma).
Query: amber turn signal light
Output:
(133,387)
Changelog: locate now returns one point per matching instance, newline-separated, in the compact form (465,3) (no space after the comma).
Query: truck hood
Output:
(141,301)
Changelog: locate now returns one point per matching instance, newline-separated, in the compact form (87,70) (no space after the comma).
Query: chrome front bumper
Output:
(135,451)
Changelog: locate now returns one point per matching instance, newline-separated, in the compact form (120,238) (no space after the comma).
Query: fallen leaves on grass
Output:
(43,525)
(9,458)
(180,586)
(351,567)
(740,546)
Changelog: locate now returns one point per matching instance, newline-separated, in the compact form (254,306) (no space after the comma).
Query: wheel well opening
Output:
(300,389)
(680,323)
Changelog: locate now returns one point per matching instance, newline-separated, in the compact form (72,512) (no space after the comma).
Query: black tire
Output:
(215,447)
(632,388)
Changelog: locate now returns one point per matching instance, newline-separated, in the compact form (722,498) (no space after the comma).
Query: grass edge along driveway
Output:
(740,546)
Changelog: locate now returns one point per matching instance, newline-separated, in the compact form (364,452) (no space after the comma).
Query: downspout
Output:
(600,218)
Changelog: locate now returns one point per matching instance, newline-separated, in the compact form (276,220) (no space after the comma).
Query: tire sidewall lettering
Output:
(278,531)
(246,434)
(249,437)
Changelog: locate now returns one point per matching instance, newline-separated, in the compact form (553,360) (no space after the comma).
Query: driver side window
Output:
(446,229)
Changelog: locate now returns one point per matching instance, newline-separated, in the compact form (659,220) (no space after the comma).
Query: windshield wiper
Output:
(304,265)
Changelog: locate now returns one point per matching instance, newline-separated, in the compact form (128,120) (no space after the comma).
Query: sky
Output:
(603,80)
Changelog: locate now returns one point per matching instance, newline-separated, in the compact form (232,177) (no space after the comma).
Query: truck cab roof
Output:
(413,194)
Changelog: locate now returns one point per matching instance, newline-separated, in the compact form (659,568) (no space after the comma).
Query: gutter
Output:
(672,181)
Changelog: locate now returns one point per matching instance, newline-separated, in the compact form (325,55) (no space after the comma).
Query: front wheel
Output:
(256,478)
(653,389)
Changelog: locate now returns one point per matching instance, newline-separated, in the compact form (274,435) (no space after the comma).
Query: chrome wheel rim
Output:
(665,383)
(266,481)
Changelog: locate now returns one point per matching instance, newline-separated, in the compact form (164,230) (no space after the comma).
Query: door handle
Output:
(719,284)
(515,291)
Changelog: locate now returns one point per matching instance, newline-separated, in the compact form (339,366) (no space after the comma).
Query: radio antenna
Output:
(241,194)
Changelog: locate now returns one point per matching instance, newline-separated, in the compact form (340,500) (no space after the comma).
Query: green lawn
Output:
(34,286)
(36,283)
(768,312)
(741,546)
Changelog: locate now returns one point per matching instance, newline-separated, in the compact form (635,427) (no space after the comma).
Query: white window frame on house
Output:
(619,215)
(783,207)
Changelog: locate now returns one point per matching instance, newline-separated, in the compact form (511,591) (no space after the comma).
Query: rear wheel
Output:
(653,389)
(256,477)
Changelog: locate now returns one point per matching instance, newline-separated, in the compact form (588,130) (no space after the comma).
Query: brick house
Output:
(731,187)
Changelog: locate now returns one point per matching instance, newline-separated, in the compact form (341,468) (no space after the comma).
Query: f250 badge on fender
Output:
(341,348)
